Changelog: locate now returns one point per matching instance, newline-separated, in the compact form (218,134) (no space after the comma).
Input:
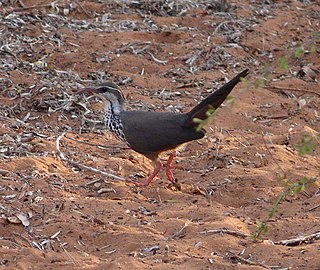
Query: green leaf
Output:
(298,52)
(196,120)
(202,123)
(244,80)
(313,48)
(283,63)
(266,72)
(230,100)
(292,188)
(299,187)
(261,228)
(306,146)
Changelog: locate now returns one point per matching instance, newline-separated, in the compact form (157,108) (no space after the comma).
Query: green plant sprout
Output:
(283,63)
(291,189)
(265,77)
(307,145)
(245,87)
(294,53)
(298,52)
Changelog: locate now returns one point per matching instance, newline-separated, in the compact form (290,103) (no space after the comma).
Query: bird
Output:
(150,133)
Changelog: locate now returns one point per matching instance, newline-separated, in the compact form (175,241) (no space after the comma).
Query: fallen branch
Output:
(246,261)
(24,238)
(97,145)
(299,240)
(24,8)
(84,10)
(179,233)
(294,89)
(242,144)
(90,183)
(79,165)
(163,62)
(115,178)
(60,154)
(72,259)
(314,207)
(226,231)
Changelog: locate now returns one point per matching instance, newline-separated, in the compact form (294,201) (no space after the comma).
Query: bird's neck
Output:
(112,119)
(113,105)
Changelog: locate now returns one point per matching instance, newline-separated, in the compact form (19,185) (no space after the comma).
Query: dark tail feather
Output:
(214,100)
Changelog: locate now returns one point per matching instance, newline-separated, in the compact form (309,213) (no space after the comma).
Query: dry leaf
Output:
(14,220)
(24,219)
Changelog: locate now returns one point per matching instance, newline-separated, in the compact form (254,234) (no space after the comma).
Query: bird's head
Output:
(109,93)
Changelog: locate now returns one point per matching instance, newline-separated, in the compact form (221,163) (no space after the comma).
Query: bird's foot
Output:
(151,177)
(170,176)
(174,185)
(169,173)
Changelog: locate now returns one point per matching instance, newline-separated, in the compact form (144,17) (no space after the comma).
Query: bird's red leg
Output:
(154,173)
(157,168)
(168,168)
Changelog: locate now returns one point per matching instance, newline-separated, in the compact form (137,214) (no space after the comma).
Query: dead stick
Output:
(314,208)
(178,233)
(97,145)
(226,231)
(235,138)
(84,10)
(90,183)
(31,7)
(79,165)
(294,89)
(73,260)
(241,259)
(299,240)
(24,238)
(63,157)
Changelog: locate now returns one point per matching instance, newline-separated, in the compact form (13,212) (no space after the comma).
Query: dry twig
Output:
(242,144)
(226,231)
(79,165)
(103,147)
(314,207)
(294,89)
(163,62)
(24,8)
(299,240)
(246,261)
(84,10)
(179,233)
(72,259)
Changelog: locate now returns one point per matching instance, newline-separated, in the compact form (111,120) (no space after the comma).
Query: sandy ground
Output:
(166,56)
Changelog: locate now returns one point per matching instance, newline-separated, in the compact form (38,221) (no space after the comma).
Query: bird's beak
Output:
(89,90)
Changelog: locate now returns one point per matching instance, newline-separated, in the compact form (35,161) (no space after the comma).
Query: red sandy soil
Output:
(55,215)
